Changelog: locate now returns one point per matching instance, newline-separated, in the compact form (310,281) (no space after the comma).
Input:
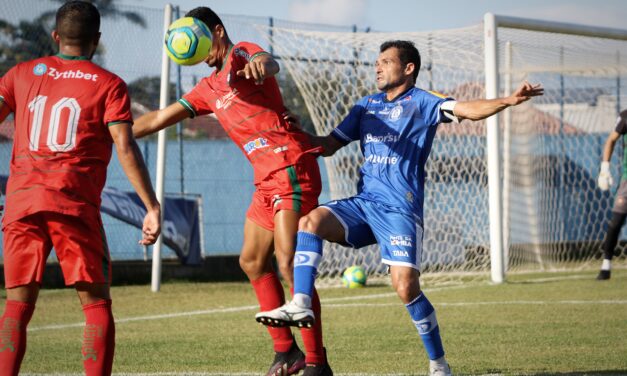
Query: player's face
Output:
(390,70)
(217,54)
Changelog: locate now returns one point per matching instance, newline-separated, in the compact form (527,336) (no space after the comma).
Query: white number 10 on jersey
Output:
(37,107)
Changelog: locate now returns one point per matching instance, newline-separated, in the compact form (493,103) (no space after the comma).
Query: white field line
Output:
(329,303)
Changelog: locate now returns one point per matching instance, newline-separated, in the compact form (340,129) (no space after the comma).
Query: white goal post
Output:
(491,24)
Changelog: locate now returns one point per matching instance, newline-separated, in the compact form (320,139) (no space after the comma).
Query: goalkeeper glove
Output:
(605,177)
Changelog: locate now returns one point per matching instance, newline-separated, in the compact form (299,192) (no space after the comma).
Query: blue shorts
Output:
(366,222)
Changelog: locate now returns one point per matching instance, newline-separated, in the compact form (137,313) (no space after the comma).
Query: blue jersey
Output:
(396,138)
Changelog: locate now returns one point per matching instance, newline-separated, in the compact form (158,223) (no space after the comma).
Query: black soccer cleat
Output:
(604,275)
(287,363)
(319,369)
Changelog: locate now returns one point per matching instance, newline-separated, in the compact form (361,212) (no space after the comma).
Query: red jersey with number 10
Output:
(62,145)
(252,115)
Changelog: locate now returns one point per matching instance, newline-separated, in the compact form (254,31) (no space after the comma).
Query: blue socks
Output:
(423,315)
(306,261)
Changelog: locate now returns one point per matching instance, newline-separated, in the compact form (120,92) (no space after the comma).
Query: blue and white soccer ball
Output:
(188,41)
(354,277)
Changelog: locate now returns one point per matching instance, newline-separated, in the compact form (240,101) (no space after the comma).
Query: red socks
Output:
(13,336)
(270,295)
(312,338)
(98,338)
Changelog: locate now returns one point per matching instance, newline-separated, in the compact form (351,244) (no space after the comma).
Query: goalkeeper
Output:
(619,210)
(396,128)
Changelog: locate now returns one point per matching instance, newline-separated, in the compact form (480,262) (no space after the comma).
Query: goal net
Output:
(553,214)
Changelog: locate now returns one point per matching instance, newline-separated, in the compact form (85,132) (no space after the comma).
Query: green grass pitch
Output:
(544,324)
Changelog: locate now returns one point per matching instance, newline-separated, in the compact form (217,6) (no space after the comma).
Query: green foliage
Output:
(146,90)
(558,324)
(28,40)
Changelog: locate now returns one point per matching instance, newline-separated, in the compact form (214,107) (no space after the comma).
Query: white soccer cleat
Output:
(289,314)
(439,369)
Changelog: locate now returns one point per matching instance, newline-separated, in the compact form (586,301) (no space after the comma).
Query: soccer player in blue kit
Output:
(396,128)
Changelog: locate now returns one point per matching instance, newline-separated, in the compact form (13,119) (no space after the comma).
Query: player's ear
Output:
(219,31)
(409,69)
(55,36)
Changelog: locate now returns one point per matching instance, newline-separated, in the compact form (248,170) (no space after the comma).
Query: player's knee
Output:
(250,266)
(310,223)
(407,289)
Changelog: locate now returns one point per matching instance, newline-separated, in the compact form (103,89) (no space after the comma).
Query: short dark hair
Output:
(407,53)
(78,22)
(206,15)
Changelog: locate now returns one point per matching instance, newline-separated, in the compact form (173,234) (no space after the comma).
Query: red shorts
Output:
(79,243)
(295,187)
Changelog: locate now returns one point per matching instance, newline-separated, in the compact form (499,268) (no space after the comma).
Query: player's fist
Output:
(605,177)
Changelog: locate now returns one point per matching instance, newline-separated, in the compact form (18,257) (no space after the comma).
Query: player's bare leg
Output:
(256,261)
(19,308)
(406,282)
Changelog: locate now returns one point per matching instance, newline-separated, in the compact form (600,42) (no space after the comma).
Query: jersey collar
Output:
(385,98)
(69,57)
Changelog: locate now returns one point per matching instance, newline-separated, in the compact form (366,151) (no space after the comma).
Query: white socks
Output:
(607,264)
(302,300)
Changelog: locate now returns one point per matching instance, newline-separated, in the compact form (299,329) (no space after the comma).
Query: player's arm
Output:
(155,121)
(135,169)
(4,110)
(483,108)
(608,148)
(260,67)
(328,143)
(605,180)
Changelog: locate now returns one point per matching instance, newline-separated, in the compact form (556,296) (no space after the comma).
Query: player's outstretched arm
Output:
(135,169)
(483,108)
(259,68)
(155,121)
(328,143)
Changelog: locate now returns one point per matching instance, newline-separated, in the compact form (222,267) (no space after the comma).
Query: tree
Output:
(29,40)
(145,90)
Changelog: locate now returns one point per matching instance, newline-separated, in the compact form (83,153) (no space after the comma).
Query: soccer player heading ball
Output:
(396,128)
(68,113)
(243,94)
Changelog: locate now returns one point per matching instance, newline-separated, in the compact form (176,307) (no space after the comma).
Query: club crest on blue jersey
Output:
(255,144)
(40,69)
(396,113)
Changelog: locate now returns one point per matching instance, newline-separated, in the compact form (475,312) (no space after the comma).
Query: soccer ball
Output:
(354,277)
(188,41)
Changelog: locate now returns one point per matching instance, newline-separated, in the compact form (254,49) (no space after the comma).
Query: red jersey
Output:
(63,106)
(250,114)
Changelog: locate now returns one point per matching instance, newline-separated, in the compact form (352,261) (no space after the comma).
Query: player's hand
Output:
(292,119)
(605,180)
(255,70)
(152,227)
(525,92)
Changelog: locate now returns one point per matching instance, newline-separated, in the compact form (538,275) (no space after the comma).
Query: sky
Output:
(413,15)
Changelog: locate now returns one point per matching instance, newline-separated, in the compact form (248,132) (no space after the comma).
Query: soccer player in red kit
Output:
(245,97)
(68,113)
